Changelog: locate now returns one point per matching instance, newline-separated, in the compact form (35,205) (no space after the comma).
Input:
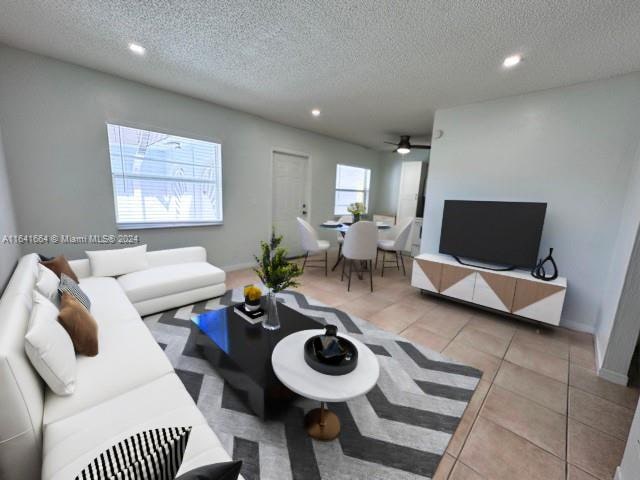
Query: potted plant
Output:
(277,273)
(356,209)
(252,296)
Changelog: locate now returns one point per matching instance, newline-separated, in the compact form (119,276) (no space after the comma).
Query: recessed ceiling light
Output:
(137,49)
(315,112)
(512,61)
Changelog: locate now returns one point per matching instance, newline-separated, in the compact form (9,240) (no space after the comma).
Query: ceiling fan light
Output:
(403,150)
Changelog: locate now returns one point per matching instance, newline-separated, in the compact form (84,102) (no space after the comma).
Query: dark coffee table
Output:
(241,354)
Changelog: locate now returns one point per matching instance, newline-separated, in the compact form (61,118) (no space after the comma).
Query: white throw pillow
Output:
(49,347)
(111,263)
(47,283)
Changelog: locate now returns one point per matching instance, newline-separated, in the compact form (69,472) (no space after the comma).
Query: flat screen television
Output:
(504,233)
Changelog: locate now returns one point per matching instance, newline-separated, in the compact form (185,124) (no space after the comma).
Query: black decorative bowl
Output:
(340,364)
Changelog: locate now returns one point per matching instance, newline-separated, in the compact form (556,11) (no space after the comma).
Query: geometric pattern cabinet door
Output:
(426,275)
(457,282)
(503,291)
(494,291)
(539,301)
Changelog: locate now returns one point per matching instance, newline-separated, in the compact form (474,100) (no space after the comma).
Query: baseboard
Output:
(579,326)
(598,352)
(238,266)
(609,375)
(613,377)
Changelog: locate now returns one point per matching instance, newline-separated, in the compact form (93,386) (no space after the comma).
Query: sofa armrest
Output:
(82,267)
(174,256)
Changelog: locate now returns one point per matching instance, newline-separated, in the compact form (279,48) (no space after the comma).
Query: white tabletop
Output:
(343,227)
(292,370)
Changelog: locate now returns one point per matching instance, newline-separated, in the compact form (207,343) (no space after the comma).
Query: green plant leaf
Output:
(274,270)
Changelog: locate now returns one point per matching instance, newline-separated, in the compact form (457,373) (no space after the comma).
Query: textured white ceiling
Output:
(377,69)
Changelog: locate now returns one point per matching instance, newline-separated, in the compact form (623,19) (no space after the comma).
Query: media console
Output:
(514,292)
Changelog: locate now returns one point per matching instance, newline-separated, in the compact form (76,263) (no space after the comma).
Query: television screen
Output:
(505,233)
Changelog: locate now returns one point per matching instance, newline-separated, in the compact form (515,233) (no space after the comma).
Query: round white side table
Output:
(292,370)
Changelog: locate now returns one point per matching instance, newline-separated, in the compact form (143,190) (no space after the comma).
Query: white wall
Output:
(618,326)
(571,147)
(53,117)
(630,465)
(9,252)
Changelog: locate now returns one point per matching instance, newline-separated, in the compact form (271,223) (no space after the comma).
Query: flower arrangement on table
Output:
(252,295)
(277,273)
(356,209)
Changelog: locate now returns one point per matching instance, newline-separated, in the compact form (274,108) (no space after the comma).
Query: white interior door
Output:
(409,190)
(290,197)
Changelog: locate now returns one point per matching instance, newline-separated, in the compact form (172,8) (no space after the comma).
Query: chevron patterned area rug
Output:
(399,430)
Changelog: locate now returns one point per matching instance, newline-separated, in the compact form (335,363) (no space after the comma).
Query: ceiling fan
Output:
(404,145)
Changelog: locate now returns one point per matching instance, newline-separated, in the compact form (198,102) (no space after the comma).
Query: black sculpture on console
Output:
(539,271)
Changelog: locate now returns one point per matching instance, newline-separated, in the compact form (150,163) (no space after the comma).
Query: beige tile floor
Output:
(540,411)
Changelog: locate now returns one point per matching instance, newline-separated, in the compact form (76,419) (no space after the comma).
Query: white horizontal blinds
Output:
(161,179)
(352,185)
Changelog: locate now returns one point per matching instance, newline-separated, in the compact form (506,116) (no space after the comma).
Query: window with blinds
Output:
(163,180)
(352,186)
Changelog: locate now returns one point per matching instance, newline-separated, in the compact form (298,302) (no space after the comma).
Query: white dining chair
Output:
(360,246)
(396,246)
(340,235)
(312,245)
(390,219)
(387,233)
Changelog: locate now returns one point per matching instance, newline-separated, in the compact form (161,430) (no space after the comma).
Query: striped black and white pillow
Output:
(68,285)
(151,455)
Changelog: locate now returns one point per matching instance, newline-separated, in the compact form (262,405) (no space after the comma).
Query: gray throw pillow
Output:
(68,285)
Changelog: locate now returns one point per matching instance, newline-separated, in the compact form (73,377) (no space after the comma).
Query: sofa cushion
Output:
(81,267)
(109,304)
(48,283)
(72,443)
(60,265)
(129,357)
(157,452)
(79,324)
(168,279)
(49,348)
(109,263)
(167,302)
(72,288)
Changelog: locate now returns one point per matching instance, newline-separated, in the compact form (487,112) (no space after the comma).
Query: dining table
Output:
(343,228)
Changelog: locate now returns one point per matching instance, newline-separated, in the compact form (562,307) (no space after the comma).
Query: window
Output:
(162,180)
(352,185)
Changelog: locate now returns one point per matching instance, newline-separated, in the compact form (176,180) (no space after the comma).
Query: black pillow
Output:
(68,285)
(215,471)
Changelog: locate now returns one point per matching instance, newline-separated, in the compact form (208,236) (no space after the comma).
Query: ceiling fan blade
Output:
(425,147)
(391,143)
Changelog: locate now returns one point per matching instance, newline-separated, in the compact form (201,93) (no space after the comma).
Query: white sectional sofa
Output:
(175,277)
(130,386)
